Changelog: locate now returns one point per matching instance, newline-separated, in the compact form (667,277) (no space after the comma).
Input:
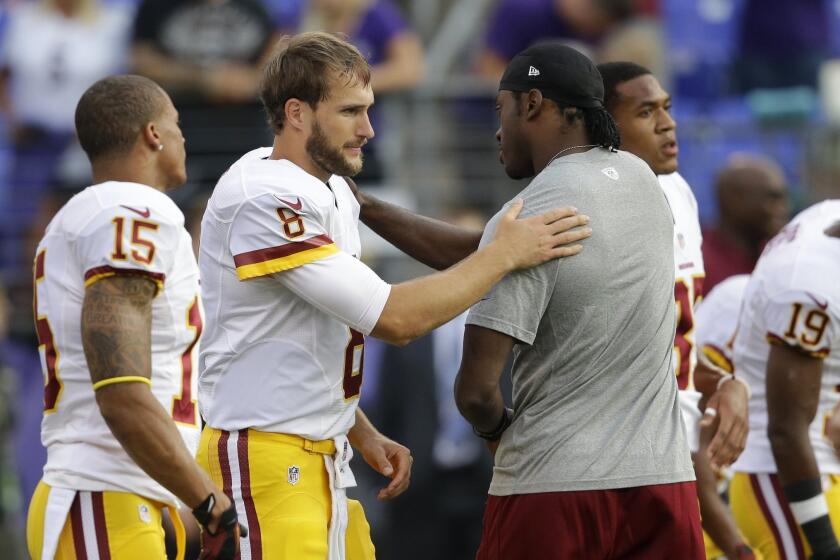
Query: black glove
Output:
(224,543)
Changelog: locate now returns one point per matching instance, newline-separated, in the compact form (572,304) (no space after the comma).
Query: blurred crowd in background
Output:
(756,90)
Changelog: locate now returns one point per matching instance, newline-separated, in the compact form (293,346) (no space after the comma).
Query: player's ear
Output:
(297,113)
(151,137)
(533,104)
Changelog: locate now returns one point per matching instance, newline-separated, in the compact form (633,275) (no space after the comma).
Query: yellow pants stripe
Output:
(281,488)
(106,525)
(763,515)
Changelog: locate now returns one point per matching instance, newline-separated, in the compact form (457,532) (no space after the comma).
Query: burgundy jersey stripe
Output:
(78,529)
(765,511)
(271,253)
(791,521)
(250,510)
(99,524)
(155,276)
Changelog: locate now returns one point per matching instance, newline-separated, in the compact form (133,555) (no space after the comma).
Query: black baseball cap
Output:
(561,73)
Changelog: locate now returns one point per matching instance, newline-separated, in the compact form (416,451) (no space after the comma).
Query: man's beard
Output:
(328,158)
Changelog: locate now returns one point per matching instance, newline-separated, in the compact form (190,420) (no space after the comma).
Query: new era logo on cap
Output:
(533,71)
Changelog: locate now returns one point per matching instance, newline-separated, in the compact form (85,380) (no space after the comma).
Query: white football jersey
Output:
(288,301)
(717,320)
(109,229)
(688,273)
(792,298)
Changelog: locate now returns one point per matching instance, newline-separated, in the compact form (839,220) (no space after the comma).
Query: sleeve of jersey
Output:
(121,242)
(271,234)
(712,334)
(515,306)
(801,320)
(341,286)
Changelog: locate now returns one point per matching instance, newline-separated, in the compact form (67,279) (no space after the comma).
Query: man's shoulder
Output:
(257,179)
(114,199)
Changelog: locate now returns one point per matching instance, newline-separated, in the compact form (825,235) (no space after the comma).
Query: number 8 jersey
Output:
(113,229)
(287,300)
(792,299)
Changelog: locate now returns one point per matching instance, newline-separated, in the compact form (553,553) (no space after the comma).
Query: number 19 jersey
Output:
(287,299)
(113,229)
(792,299)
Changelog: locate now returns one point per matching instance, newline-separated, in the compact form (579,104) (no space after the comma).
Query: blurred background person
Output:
(207,55)
(752,200)
(11,518)
(381,33)
(585,24)
(52,50)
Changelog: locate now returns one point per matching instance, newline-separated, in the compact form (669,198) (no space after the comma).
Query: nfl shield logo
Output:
(294,475)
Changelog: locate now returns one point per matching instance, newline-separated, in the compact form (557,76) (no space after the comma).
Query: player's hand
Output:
(388,458)
(220,528)
(537,239)
(729,422)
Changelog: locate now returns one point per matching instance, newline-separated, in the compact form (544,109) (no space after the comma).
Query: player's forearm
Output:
(433,242)
(403,66)
(477,392)
(362,430)
(416,307)
(481,409)
(173,75)
(116,335)
(150,438)
(717,521)
(791,446)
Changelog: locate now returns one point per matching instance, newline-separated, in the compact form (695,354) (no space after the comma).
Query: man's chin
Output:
(354,167)
(667,167)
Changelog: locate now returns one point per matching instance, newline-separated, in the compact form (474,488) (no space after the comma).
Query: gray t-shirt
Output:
(594,396)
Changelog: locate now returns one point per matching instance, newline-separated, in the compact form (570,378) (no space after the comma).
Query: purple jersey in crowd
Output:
(378,27)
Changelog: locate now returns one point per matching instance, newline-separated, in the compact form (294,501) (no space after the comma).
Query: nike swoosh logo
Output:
(145,213)
(821,304)
(296,206)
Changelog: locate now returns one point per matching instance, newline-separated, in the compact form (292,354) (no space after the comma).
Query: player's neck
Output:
(296,153)
(558,146)
(128,171)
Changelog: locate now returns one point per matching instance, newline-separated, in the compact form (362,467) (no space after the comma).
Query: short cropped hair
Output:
(302,69)
(113,111)
(616,73)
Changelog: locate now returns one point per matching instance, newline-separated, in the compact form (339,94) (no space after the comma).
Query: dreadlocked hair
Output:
(600,126)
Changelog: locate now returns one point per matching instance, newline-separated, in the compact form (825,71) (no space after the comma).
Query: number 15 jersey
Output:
(113,229)
(287,299)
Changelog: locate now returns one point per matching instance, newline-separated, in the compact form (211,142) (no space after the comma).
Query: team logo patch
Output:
(294,475)
(611,173)
(145,514)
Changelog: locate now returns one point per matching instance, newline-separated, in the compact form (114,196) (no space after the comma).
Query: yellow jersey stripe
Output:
(255,270)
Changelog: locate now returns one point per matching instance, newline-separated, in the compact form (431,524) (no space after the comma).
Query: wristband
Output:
(730,377)
(810,510)
(203,511)
(123,379)
(507,418)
